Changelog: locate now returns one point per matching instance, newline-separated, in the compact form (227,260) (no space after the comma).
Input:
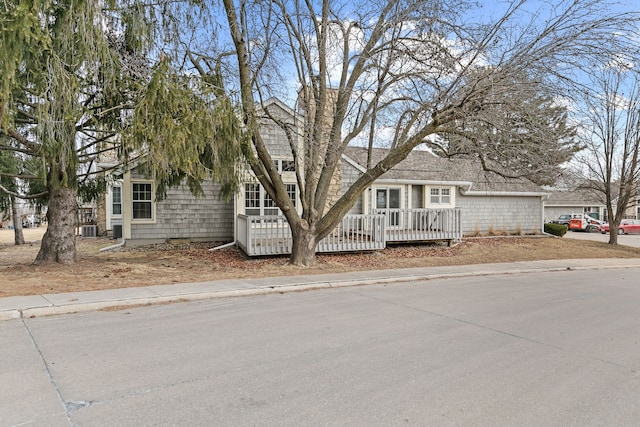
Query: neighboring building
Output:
(29,216)
(574,201)
(633,212)
(423,186)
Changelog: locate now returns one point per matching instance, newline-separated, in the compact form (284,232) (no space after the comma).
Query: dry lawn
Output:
(166,264)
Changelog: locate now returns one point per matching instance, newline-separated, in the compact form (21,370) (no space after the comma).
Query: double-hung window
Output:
(116,200)
(252,199)
(269,205)
(440,196)
(142,200)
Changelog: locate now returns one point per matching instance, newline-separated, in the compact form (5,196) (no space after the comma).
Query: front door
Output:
(388,199)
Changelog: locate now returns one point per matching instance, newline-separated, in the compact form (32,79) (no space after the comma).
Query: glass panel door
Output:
(388,199)
(394,203)
(381,198)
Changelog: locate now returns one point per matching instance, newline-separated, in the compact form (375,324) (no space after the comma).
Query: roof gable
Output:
(278,109)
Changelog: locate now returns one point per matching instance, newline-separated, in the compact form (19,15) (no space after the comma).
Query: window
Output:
(142,199)
(252,199)
(258,202)
(116,200)
(287,166)
(269,205)
(440,196)
(388,198)
(291,192)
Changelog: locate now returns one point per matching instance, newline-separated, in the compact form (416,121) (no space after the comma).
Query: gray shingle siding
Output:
(349,175)
(272,134)
(276,140)
(182,216)
(483,214)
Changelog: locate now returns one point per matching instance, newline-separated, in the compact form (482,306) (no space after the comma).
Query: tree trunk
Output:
(17,223)
(303,250)
(59,241)
(613,234)
(612,219)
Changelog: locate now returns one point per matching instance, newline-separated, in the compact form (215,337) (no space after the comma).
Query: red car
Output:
(627,226)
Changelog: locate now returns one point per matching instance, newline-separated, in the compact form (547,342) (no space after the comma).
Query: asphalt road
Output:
(625,239)
(546,349)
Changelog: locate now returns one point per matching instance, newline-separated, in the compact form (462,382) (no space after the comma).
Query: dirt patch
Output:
(167,264)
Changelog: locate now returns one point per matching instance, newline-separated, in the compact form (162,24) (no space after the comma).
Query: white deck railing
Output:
(271,235)
(407,225)
(355,233)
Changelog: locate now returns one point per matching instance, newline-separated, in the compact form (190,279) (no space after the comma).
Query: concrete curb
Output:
(51,309)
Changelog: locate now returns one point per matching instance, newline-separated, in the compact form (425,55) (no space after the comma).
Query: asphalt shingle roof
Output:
(423,166)
(578,197)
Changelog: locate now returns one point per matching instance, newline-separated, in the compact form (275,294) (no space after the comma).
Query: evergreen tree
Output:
(77,78)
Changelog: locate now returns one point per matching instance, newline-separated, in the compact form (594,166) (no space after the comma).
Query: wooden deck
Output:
(271,235)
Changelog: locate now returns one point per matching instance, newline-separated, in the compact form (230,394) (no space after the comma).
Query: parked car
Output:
(564,219)
(627,226)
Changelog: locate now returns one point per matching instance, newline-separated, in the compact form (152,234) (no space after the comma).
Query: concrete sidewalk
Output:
(75,302)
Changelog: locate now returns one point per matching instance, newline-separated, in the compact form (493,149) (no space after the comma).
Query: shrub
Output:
(555,229)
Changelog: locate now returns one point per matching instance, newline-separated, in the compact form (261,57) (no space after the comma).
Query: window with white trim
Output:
(269,205)
(142,198)
(116,200)
(252,199)
(291,192)
(440,196)
(258,202)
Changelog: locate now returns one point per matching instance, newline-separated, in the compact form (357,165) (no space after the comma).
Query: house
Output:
(132,212)
(422,198)
(488,202)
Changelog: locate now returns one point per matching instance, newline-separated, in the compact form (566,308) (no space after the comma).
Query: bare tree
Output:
(611,136)
(409,70)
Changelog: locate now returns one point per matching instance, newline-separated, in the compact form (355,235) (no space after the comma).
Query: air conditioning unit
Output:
(89,231)
(117,231)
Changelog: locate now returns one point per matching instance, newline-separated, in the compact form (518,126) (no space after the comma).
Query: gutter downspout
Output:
(542,216)
(117,245)
(226,245)
(235,226)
